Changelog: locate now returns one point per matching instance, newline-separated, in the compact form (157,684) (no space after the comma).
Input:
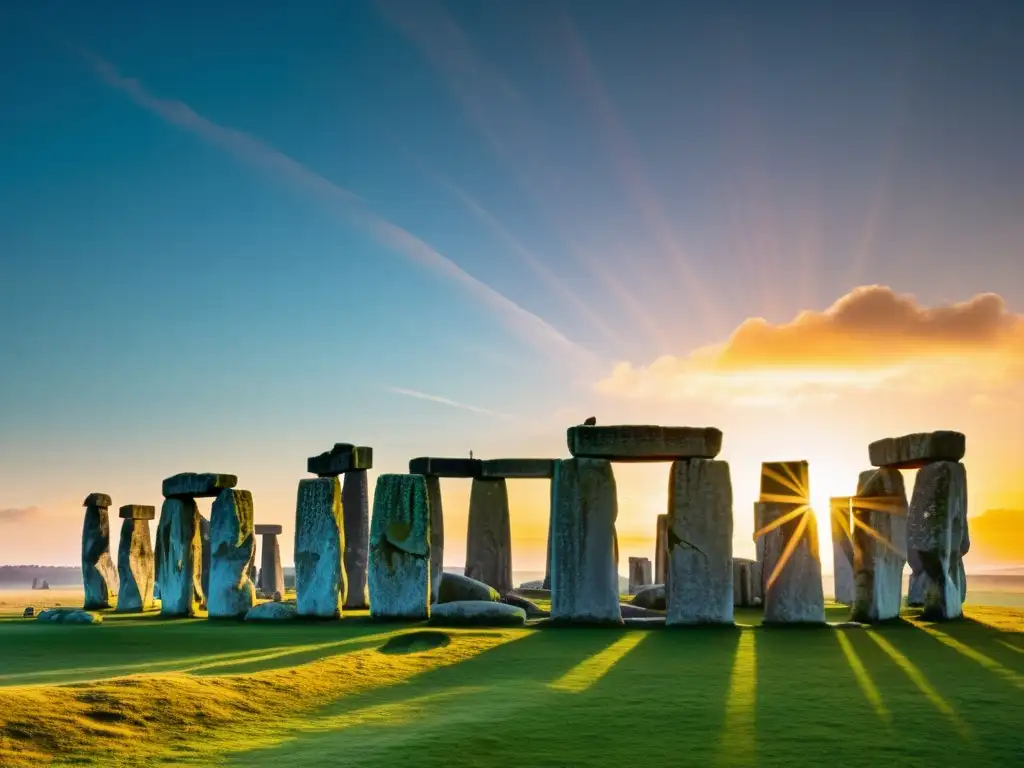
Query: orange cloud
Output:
(868,337)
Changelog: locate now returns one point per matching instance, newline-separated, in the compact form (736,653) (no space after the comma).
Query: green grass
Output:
(140,691)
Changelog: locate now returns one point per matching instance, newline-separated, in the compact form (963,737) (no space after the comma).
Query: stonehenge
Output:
(135,567)
(98,572)
(841,517)
(230,592)
(319,549)
(271,576)
(400,565)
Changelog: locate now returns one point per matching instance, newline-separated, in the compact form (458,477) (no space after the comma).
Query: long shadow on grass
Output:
(449,713)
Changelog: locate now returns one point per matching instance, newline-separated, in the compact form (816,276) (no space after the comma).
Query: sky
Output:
(234,234)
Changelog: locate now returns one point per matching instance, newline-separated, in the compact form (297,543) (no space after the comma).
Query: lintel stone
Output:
(517,469)
(342,458)
(137,512)
(97,500)
(268,529)
(917,450)
(444,467)
(639,442)
(194,485)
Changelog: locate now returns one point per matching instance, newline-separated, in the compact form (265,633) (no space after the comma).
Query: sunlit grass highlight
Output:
(1010,646)
(588,672)
(867,685)
(737,744)
(919,680)
(987,662)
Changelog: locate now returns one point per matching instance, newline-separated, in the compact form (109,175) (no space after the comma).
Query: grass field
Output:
(141,691)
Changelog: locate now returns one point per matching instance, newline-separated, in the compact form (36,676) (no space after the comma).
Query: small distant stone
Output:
(137,512)
(342,458)
(279,611)
(477,613)
(652,597)
(97,500)
(917,450)
(193,485)
(590,421)
(29,612)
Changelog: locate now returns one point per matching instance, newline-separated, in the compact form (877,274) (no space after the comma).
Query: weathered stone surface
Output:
(97,500)
(652,597)
(521,469)
(343,457)
(546,584)
(760,512)
(644,622)
(533,611)
(232,544)
(319,549)
(629,442)
(279,611)
(456,587)
(355,504)
(135,566)
(98,572)
(137,512)
(756,583)
(917,587)
(400,548)
(489,535)
(204,560)
(661,550)
(879,545)
(477,613)
(271,576)
(640,574)
(267,529)
(69,616)
(935,522)
(841,518)
(178,557)
(584,584)
(436,534)
(917,450)
(194,485)
(742,583)
(538,584)
(700,580)
(444,467)
(793,589)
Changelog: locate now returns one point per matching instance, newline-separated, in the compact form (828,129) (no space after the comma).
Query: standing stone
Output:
(742,582)
(661,550)
(355,495)
(204,567)
(179,553)
(551,519)
(796,595)
(760,517)
(135,560)
(584,585)
(401,567)
(842,549)
(231,593)
(98,572)
(700,584)
(935,523)
(436,533)
(271,575)
(489,535)
(879,544)
(319,549)
(639,574)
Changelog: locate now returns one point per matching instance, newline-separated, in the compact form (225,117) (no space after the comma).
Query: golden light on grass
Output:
(918,679)
(987,662)
(1011,647)
(589,671)
(737,744)
(864,681)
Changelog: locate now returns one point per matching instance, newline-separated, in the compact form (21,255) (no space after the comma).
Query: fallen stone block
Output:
(489,535)
(519,469)
(445,467)
(533,611)
(99,575)
(917,450)
(135,564)
(630,611)
(644,622)
(629,443)
(879,545)
(399,568)
(841,519)
(457,588)
(178,556)
(651,597)
(342,458)
(477,613)
(232,546)
(273,612)
(69,616)
(700,577)
(319,549)
(194,485)
(935,524)
(355,505)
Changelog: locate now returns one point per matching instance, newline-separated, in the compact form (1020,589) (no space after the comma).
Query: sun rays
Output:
(589,671)
(864,681)
(987,662)
(738,744)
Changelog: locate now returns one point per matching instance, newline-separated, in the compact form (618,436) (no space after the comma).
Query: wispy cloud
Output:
(251,151)
(19,514)
(445,401)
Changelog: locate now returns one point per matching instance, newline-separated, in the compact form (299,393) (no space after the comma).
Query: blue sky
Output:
(228,235)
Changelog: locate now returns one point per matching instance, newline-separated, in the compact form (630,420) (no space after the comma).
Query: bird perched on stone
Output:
(590,422)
